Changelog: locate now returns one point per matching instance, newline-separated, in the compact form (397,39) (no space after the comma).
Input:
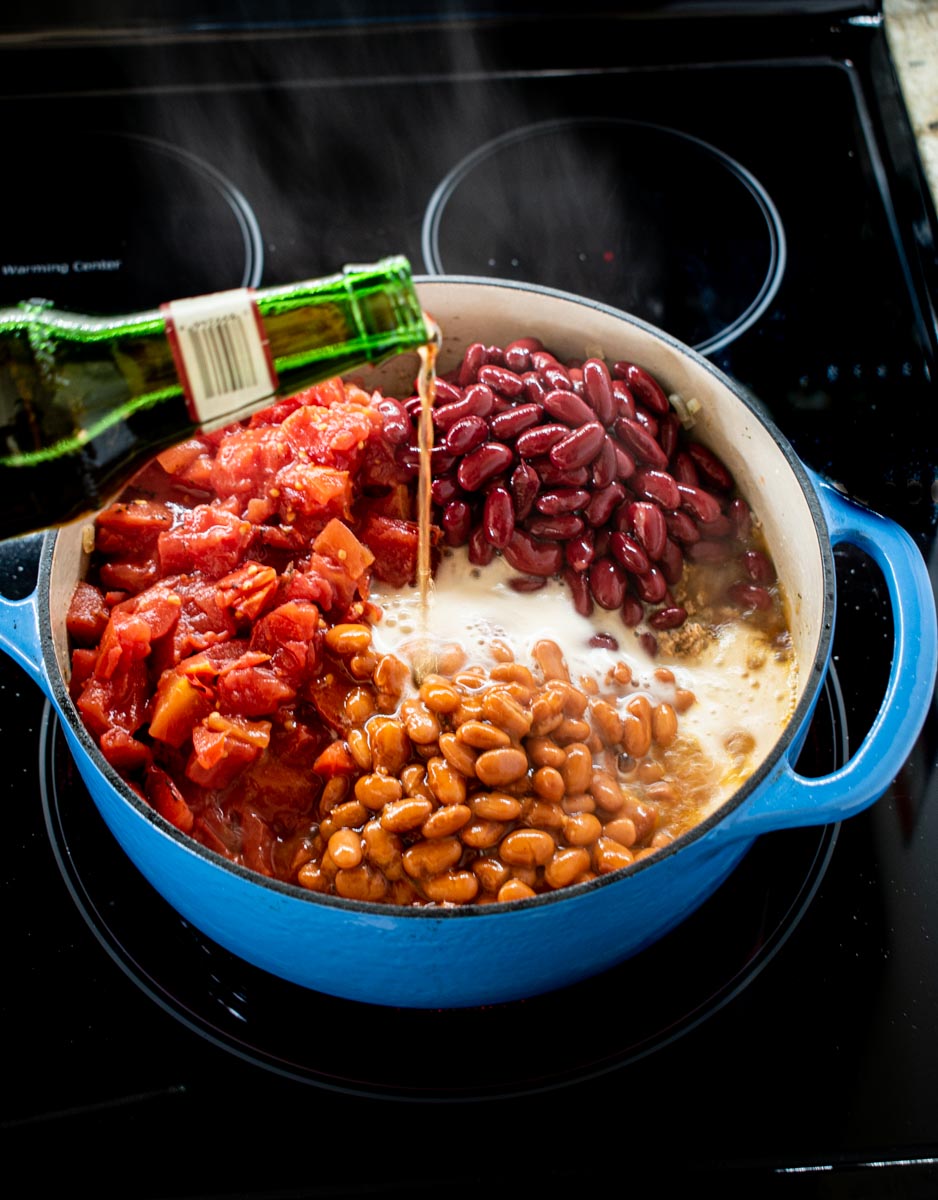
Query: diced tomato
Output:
(223,746)
(179,704)
(336,759)
(247,461)
(116,701)
(131,528)
(207,539)
(292,635)
(311,491)
(395,545)
(247,590)
(327,693)
(177,458)
(199,659)
(123,751)
(339,543)
(167,799)
(395,502)
(130,575)
(87,615)
(202,622)
(257,842)
(83,662)
(253,691)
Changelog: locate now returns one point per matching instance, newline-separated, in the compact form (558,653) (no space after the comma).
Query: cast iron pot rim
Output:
(814,679)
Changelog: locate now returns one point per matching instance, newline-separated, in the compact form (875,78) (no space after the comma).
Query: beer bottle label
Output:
(221,353)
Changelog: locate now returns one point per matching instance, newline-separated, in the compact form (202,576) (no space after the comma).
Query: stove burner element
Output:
(120,222)
(651,220)
(659,995)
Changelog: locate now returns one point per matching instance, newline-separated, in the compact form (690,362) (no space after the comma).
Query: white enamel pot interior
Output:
(457,957)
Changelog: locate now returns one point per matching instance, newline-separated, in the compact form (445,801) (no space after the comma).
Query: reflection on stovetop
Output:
(262,158)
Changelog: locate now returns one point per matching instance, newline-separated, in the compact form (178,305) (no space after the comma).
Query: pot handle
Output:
(19,617)
(788,799)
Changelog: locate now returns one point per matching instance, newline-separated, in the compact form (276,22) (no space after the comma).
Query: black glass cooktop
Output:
(749,183)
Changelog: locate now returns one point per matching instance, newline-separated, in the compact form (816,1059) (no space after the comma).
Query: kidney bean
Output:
(524,486)
(712,470)
(457,522)
(625,463)
(552,476)
(749,596)
(639,442)
(541,359)
(515,420)
(562,500)
(444,488)
(466,434)
(568,408)
(669,432)
(671,562)
(579,448)
(532,556)
(601,542)
(629,553)
(556,376)
(561,527)
(498,517)
(699,503)
(649,423)
(642,385)
(597,390)
(604,641)
(445,392)
(578,583)
(681,527)
(472,360)
(481,550)
(625,401)
(603,469)
(535,442)
(535,389)
(483,464)
(412,406)
(478,401)
(683,469)
(758,567)
(668,618)
(631,612)
(741,518)
(659,486)
(603,503)
(527,583)
(649,526)
(518,353)
(652,587)
(607,583)
(441,460)
(580,551)
(397,423)
(501,380)
(649,643)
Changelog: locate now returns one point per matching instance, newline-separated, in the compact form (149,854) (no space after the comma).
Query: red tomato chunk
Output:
(199,632)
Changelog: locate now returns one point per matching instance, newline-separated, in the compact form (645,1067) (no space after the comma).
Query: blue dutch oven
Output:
(454,957)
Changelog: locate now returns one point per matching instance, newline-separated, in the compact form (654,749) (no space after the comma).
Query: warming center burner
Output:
(137,221)
(654,222)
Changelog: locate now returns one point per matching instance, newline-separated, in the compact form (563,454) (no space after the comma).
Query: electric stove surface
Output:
(749,185)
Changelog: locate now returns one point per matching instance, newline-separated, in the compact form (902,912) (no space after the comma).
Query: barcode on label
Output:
(221,354)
